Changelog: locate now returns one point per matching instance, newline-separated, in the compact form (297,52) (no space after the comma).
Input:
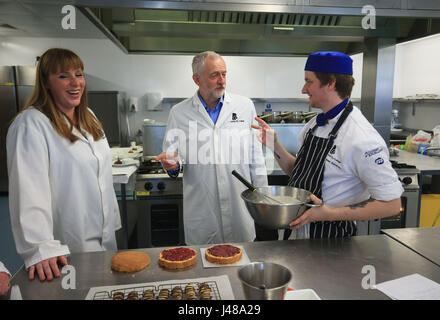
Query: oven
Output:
(160,206)
(408,216)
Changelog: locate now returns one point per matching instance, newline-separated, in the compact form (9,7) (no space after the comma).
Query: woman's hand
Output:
(47,269)
(311,215)
(266,135)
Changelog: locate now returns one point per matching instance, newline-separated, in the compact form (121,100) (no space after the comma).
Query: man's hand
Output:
(311,215)
(266,135)
(170,160)
(4,283)
(47,269)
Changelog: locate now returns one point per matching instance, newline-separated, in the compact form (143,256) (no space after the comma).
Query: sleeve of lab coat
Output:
(118,224)
(170,144)
(3,269)
(30,196)
(258,165)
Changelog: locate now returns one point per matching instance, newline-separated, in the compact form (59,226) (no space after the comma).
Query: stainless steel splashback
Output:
(288,135)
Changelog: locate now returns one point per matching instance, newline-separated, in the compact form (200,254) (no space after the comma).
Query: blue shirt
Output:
(213,113)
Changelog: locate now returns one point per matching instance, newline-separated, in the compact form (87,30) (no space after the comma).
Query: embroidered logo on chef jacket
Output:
(332,158)
(379,161)
(373,152)
(235,118)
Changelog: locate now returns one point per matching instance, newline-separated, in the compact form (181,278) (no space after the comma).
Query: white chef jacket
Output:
(358,166)
(3,269)
(213,209)
(61,195)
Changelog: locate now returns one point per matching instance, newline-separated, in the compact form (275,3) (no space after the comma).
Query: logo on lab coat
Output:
(379,161)
(235,118)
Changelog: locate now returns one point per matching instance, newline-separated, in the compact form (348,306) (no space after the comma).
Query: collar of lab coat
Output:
(77,133)
(224,112)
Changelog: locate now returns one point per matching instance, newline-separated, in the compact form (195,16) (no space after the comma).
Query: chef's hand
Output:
(4,283)
(170,160)
(311,215)
(266,135)
(47,269)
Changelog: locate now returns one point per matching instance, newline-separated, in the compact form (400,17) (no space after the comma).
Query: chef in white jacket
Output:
(61,194)
(4,279)
(210,135)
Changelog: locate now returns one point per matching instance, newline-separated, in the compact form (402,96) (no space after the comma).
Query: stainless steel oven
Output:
(408,217)
(160,206)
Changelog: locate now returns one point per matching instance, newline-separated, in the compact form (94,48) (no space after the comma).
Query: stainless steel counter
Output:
(424,241)
(426,164)
(331,267)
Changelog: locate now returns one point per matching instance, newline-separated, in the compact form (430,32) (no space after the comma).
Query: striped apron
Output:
(308,174)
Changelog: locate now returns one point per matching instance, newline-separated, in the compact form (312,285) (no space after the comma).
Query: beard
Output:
(218,92)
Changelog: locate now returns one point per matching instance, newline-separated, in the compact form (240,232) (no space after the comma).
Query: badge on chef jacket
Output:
(379,161)
(373,152)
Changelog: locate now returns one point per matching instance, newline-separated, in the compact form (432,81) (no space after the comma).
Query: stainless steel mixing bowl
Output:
(273,215)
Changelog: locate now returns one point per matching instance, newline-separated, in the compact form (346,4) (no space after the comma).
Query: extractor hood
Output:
(234,28)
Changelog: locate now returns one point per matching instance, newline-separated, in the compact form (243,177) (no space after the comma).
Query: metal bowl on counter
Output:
(292,116)
(286,116)
(271,116)
(293,203)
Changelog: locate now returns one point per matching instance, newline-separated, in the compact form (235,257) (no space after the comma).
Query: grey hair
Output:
(199,60)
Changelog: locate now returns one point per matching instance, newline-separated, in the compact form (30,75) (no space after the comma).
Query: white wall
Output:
(108,68)
(417,67)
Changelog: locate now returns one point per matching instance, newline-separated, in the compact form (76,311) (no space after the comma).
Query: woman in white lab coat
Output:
(61,194)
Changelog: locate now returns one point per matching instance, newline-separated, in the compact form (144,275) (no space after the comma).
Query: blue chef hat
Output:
(329,61)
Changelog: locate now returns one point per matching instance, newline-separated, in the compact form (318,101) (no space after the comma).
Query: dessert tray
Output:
(219,288)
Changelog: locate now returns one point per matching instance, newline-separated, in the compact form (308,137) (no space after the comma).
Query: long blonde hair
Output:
(53,61)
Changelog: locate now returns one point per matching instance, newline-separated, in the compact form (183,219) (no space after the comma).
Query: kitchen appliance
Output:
(395,121)
(154,134)
(107,106)
(16,85)
(408,217)
(160,206)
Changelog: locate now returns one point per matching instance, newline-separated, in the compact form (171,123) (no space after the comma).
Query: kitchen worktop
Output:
(426,164)
(424,241)
(331,267)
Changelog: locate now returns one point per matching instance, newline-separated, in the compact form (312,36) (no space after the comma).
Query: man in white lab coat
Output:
(210,135)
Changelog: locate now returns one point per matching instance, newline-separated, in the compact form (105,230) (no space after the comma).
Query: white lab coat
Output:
(213,209)
(61,195)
